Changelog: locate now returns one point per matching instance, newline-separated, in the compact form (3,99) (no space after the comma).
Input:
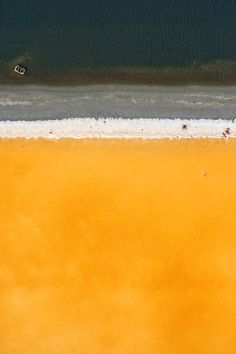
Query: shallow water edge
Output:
(37,102)
(212,73)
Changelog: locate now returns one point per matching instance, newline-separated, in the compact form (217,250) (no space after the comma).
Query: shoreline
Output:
(92,128)
(32,102)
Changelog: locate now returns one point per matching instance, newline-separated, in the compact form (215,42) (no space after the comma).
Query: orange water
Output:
(117,247)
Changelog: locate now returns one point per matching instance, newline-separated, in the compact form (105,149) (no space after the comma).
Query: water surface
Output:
(19,102)
(79,41)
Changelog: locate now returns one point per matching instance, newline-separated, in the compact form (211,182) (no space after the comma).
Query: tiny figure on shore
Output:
(226,133)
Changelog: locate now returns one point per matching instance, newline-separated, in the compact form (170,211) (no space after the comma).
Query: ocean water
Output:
(116,101)
(66,40)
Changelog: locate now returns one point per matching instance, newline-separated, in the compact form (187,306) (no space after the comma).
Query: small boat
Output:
(20,69)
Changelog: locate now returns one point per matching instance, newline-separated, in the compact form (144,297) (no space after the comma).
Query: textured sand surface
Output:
(117,246)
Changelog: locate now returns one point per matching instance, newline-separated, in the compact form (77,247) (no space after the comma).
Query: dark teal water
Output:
(64,36)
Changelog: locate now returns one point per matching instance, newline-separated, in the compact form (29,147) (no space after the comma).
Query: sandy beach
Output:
(117,246)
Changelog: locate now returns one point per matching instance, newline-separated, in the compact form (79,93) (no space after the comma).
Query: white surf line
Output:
(80,128)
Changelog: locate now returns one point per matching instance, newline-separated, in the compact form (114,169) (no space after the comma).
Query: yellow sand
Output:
(118,247)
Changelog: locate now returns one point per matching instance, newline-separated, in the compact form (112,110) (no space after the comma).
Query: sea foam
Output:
(115,101)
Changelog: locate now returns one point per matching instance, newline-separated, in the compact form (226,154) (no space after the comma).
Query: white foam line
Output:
(80,128)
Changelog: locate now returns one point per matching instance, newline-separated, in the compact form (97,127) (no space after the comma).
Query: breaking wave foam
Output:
(126,101)
(7,102)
